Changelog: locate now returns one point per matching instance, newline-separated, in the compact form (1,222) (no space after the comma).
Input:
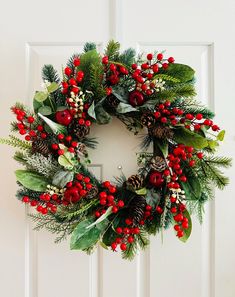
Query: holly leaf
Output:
(62,177)
(102,116)
(31,180)
(187,232)
(152,198)
(91,110)
(45,110)
(83,237)
(124,108)
(52,87)
(189,138)
(56,128)
(40,96)
(221,135)
(67,160)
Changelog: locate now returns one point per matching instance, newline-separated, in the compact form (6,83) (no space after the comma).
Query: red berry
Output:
(130,239)
(191,163)
(68,71)
(199,116)
(40,128)
(54,146)
(123,246)
(39,208)
(173,199)
(120,203)
(183,178)
(103,201)
(171,60)
(177,227)
(44,211)
(159,209)
(103,195)
(34,203)
(80,74)
(112,67)
(128,221)
(76,62)
(200,155)
(165,65)
(79,176)
(180,233)
(112,189)
(97,214)
(134,66)
(22,132)
(114,209)
(60,152)
(105,60)
(54,197)
(178,218)
(160,56)
(53,208)
(136,230)
(185,225)
(157,114)
(215,128)
(119,230)
(164,120)
(150,56)
(71,150)
(106,184)
(83,193)
(27,138)
(155,68)
(25,199)
(173,210)
(30,120)
(81,122)
(126,230)
(113,245)
(108,91)
(148,207)
(155,179)
(88,123)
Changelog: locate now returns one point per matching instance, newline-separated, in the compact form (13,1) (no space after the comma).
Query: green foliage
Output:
(127,57)
(90,142)
(189,138)
(54,127)
(182,72)
(89,46)
(70,61)
(112,50)
(16,142)
(67,160)
(187,232)
(31,180)
(62,177)
(27,192)
(96,76)
(50,74)
(167,77)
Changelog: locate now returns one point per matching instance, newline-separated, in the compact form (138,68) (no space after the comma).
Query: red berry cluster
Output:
(125,236)
(108,199)
(67,141)
(166,114)
(45,203)
(74,77)
(178,209)
(145,74)
(113,72)
(26,125)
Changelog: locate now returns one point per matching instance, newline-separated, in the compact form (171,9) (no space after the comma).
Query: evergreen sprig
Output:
(16,142)
(112,50)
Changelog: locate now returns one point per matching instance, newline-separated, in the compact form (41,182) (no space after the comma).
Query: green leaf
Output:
(91,110)
(163,146)
(66,160)
(142,191)
(180,71)
(102,218)
(45,110)
(60,108)
(187,232)
(40,96)
(102,116)
(121,94)
(124,108)
(83,237)
(192,187)
(152,198)
(56,128)
(52,87)
(221,135)
(212,144)
(104,246)
(62,177)
(189,138)
(31,180)
(36,105)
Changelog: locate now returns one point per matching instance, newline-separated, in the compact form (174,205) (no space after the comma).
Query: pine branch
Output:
(179,91)
(219,161)
(96,77)
(90,142)
(89,46)
(112,50)
(50,74)
(20,157)
(27,192)
(14,126)
(70,61)
(166,77)
(127,57)
(16,142)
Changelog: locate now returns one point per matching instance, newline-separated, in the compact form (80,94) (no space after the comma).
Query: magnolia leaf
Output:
(220,136)
(56,128)
(91,110)
(180,71)
(189,138)
(104,246)
(124,108)
(192,187)
(121,94)
(83,237)
(66,160)
(103,217)
(45,110)
(153,198)
(142,191)
(62,177)
(52,87)
(187,232)
(163,146)
(31,180)
(40,96)
(102,116)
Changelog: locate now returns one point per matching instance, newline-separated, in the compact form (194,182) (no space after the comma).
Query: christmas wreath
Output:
(147,93)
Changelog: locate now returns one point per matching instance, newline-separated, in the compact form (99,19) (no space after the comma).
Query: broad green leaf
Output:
(163,146)
(220,136)
(152,198)
(189,138)
(56,128)
(104,246)
(36,105)
(121,94)
(142,191)
(52,87)
(40,96)
(67,160)
(180,71)
(62,177)
(83,237)
(187,232)
(102,116)
(103,217)
(45,110)
(31,180)
(124,108)
(212,144)
(91,110)
(192,188)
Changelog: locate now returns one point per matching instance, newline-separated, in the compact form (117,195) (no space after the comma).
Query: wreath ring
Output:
(145,92)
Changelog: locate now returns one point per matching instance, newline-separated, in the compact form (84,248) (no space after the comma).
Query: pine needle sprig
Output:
(218,161)
(127,57)
(112,50)
(50,74)
(16,142)
(89,46)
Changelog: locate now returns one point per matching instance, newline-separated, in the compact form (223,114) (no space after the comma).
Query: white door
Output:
(198,33)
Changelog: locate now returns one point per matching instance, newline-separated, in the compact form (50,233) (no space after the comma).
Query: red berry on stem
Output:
(105,60)
(177,227)
(25,199)
(180,233)
(123,247)
(76,62)
(114,246)
(200,155)
(150,56)
(155,68)
(130,239)
(165,65)
(119,230)
(171,60)
(160,56)
(68,71)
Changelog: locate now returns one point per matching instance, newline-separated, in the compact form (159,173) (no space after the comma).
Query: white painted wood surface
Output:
(199,33)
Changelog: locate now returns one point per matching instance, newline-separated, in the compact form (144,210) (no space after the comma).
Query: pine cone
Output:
(137,208)
(134,182)
(40,146)
(92,192)
(161,132)
(158,163)
(148,120)
(79,131)
(112,101)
